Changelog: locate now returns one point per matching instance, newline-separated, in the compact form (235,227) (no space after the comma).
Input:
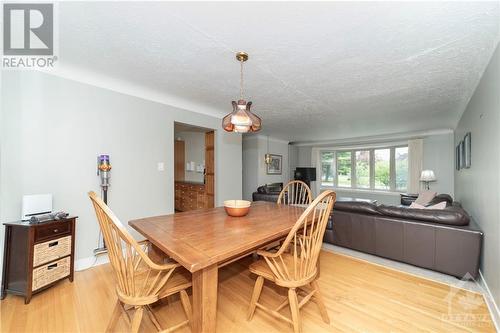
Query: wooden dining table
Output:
(204,240)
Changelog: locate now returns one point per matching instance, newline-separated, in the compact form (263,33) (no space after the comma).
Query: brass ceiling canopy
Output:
(242,56)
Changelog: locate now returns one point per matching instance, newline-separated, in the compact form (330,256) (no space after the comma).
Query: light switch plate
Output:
(161,166)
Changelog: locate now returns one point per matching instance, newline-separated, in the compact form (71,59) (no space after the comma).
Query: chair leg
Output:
(294,309)
(255,296)
(186,304)
(318,299)
(114,317)
(136,321)
(153,318)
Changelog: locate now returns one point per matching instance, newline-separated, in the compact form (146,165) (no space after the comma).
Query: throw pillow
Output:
(416,206)
(425,197)
(441,205)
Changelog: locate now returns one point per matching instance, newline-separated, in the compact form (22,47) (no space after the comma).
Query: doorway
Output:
(194,167)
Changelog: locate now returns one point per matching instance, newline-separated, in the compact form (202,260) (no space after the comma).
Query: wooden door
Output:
(210,169)
(179,160)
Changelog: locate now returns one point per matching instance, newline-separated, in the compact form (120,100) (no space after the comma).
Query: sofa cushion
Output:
(452,215)
(440,198)
(262,189)
(357,207)
(274,187)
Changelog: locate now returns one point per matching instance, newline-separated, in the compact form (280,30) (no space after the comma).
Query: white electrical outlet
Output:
(161,166)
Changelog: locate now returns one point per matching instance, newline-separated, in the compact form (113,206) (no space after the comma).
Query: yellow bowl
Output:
(237,208)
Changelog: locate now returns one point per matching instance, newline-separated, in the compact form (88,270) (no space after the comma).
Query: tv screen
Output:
(305,174)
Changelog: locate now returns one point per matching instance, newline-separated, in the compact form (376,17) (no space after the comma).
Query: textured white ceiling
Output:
(322,70)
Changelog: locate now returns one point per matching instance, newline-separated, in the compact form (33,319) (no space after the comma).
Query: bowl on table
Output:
(237,208)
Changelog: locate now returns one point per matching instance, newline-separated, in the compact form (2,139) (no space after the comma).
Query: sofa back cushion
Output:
(451,215)
(357,207)
(270,188)
(440,198)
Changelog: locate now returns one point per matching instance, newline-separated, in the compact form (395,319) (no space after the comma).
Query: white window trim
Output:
(361,190)
(392,168)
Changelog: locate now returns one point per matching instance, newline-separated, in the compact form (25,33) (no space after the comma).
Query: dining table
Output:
(204,240)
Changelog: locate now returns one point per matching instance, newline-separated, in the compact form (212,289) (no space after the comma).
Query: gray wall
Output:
(250,167)
(478,187)
(438,156)
(439,152)
(53,128)
(254,167)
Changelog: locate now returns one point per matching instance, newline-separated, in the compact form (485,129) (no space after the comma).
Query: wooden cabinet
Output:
(36,256)
(189,196)
(179,160)
(210,168)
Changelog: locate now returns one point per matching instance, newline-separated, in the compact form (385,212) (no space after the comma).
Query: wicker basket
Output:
(51,250)
(51,272)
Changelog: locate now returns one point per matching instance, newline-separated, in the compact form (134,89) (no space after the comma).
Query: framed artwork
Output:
(467,150)
(276,165)
(457,157)
(462,154)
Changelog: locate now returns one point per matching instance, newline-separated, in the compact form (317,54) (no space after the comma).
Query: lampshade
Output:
(241,120)
(427,176)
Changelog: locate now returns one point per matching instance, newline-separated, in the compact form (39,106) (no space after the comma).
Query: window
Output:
(383,169)
(327,170)
(363,169)
(401,168)
(344,169)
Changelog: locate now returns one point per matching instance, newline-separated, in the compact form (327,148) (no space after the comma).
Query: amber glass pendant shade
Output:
(241,120)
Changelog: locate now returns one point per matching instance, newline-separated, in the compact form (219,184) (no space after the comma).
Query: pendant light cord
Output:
(241,79)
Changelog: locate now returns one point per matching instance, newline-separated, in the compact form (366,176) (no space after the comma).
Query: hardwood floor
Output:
(359,297)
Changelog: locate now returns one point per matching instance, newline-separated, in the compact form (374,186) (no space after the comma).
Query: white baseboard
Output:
(85,263)
(490,302)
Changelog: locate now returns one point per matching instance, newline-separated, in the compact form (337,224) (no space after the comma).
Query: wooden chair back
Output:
(139,280)
(295,263)
(296,192)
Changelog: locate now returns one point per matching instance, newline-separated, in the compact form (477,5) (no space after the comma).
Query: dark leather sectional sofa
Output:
(268,192)
(445,240)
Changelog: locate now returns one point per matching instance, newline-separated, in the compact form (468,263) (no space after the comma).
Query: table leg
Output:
(205,300)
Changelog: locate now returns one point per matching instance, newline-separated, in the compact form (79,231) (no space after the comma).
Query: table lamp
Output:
(427,176)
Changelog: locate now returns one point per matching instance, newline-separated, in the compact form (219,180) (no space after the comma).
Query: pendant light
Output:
(241,120)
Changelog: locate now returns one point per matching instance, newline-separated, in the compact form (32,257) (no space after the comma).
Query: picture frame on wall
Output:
(462,154)
(467,150)
(457,157)
(276,165)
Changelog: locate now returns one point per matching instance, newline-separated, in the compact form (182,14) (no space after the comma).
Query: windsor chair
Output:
(295,264)
(140,281)
(296,192)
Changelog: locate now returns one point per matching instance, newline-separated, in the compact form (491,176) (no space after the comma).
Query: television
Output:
(307,175)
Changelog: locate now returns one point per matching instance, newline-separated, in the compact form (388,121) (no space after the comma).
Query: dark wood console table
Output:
(36,256)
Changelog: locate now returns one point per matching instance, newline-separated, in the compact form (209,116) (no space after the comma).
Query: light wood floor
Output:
(359,296)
